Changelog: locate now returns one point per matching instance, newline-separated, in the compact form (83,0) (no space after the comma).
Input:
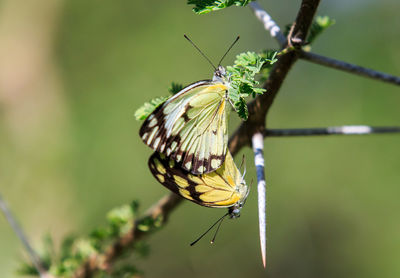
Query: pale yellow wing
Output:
(221,188)
(191,127)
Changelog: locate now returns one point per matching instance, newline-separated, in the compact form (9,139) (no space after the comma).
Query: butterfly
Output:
(223,188)
(191,126)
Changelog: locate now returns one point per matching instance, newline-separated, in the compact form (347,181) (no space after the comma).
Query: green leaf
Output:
(147,108)
(84,248)
(175,88)
(126,271)
(66,247)
(241,108)
(206,6)
(120,219)
(243,77)
(148,224)
(319,25)
(27,269)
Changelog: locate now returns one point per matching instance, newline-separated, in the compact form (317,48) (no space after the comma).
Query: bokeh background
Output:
(73,72)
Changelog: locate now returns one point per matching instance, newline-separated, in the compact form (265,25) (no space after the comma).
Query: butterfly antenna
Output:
(220,61)
(243,164)
(218,221)
(201,52)
(216,231)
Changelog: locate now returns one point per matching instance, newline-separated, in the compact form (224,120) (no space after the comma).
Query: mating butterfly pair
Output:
(189,135)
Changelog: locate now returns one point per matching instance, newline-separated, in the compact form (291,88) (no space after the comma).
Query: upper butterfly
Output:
(191,126)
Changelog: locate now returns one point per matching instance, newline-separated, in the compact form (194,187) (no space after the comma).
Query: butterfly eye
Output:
(234,212)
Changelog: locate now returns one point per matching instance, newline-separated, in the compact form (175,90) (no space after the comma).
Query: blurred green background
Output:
(73,72)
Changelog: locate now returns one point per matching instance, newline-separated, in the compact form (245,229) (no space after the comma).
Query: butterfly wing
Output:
(221,188)
(191,127)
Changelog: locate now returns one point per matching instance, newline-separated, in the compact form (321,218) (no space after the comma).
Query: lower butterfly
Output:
(223,188)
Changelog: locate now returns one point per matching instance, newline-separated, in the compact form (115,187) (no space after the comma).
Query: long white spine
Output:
(258,146)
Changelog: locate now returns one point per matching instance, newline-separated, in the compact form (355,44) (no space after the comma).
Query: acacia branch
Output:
(334,130)
(351,68)
(275,32)
(105,261)
(260,106)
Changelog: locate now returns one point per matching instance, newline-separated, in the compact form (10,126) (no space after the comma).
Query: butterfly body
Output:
(191,126)
(224,187)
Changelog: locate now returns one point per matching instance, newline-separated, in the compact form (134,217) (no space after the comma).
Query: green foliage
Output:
(120,220)
(319,25)
(243,77)
(149,224)
(268,55)
(126,271)
(148,107)
(206,6)
(74,251)
(175,88)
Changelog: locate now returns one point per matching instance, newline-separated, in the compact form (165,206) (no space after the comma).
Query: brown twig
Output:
(344,66)
(275,32)
(259,107)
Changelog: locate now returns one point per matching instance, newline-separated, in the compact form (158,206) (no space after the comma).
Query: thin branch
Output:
(258,147)
(25,242)
(105,260)
(253,128)
(274,30)
(334,130)
(344,66)
(298,32)
(269,24)
(259,107)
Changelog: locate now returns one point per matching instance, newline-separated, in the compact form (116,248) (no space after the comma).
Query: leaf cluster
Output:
(148,107)
(206,6)
(74,251)
(243,82)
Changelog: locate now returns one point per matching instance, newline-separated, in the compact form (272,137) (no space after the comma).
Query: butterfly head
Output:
(234,211)
(220,75)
